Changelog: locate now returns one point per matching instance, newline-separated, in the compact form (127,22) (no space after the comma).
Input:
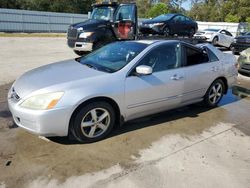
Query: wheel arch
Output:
(112,102)
(216,36)
(224,80)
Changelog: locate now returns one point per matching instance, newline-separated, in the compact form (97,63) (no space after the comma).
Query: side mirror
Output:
(89,15)
(144,70)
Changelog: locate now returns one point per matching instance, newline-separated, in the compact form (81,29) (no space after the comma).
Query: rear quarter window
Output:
(212,56)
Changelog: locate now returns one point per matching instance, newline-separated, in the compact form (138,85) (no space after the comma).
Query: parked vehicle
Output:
(241,43)
(108,22)
(169,24)
(244,62)
(218,37)
(119,82)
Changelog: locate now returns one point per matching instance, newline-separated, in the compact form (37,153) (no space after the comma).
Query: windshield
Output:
(213,30)
(113,57)
(163,17)
(101,13)
(248,33)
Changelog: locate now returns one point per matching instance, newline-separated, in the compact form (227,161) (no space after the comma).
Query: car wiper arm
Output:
(90,66)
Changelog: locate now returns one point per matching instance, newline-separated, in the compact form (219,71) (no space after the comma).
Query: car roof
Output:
(150,42)
(173,14)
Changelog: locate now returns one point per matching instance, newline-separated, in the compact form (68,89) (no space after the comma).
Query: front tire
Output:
(93,122)
(166,31)
(215,41)
(81,53)
(214,93)
(191,32)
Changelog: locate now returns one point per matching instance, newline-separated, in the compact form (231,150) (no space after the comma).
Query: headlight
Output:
(235,40)
(42,101)
(85,34)
(79,29)
(155,24)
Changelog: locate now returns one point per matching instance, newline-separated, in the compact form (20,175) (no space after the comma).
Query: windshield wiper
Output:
(90,66)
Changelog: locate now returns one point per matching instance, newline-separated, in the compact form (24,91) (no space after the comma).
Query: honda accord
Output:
(88,96)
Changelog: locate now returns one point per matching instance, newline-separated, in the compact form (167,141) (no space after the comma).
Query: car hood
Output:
(53,74)
(90,24)
(243,37)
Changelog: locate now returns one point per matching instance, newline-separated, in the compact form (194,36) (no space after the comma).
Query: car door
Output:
(201,68)
(159,91)
(229,39)
(177,25)
(125,21)
(223,39)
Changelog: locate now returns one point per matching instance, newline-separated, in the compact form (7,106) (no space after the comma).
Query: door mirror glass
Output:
(144,70)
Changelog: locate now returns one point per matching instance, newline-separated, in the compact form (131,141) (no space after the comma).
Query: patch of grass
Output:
(33,34)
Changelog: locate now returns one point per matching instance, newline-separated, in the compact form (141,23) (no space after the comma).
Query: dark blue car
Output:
(169,24)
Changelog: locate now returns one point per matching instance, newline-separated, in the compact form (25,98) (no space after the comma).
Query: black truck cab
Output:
(108,22)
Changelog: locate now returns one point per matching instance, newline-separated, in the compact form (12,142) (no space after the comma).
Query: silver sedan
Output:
(88,96)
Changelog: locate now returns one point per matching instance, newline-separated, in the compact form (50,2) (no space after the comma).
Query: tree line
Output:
(201,10)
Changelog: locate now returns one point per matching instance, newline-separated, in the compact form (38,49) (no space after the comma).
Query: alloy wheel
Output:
(215,93)
(166,31)
(95,122)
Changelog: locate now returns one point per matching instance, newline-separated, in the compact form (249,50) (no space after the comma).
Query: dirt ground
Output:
(188,147)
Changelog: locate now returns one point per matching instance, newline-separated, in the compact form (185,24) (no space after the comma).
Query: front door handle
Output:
(176,77)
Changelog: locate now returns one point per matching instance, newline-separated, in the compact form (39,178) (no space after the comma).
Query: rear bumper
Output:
(200,37)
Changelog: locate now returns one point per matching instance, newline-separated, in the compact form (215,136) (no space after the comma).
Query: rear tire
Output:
(93,122)
(214,93)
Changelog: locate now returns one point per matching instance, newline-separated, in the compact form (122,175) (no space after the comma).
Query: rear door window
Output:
(212,56)
(194,56)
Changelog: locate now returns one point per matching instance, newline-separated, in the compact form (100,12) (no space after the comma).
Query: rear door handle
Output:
(176,77)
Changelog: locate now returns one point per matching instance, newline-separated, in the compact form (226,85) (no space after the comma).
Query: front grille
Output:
(72,33)
(245,66)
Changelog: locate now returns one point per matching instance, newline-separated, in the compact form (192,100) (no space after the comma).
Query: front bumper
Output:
(83,46)
(245,69)
(54,122)
(239,47)
(80,45)
(150,30)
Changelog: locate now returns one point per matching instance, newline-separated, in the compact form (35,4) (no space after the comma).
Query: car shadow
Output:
(191,111)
